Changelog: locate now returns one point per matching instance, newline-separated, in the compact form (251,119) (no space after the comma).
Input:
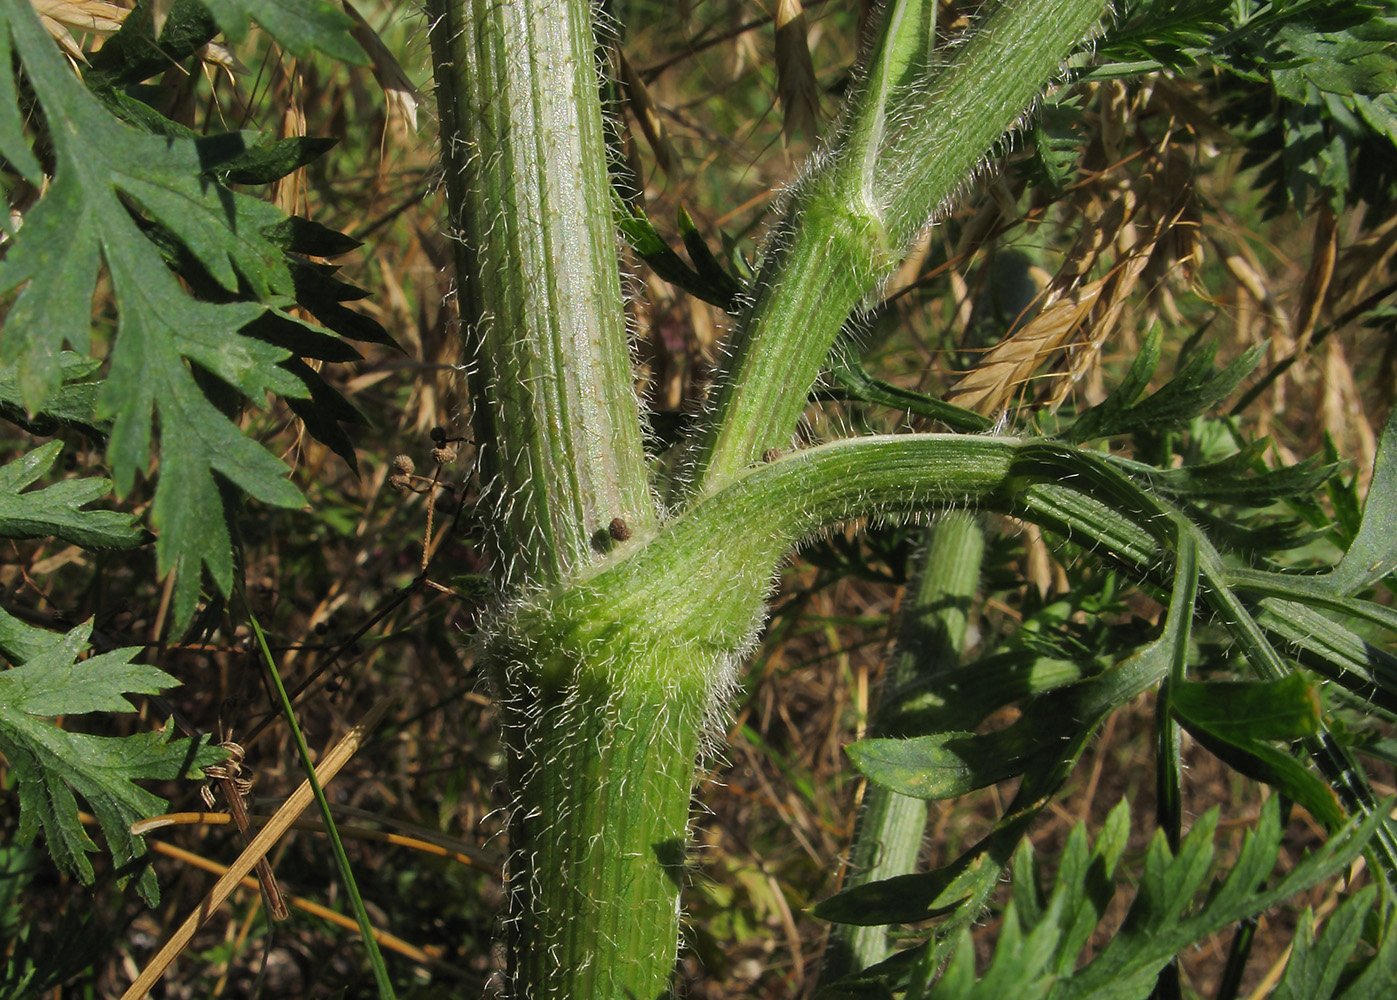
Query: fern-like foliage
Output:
(57,510)
(1309,85)
(204,277)
(1192,533)
(1046,928)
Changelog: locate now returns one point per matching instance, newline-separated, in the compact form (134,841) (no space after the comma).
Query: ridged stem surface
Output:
(556,419)
(598,837)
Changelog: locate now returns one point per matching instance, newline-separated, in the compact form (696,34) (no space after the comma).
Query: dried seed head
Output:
(404,465)
(446,453)
(400,481)
(618,529)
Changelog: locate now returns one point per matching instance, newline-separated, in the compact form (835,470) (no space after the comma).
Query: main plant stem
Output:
(556,419)
(599,835)
(600,765)
(611,649)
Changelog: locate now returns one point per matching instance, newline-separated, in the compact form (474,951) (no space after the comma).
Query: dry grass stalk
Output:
(1316,286)
(289,192)
(795,73)
(329,766)
(1091,243)
(1115,105)
(1342,411)
(1245,275)
(385,939)
(159,13)
(1181,98)
(647,115)
(1364,264)
(1085,355)
(990,385)
(402,97)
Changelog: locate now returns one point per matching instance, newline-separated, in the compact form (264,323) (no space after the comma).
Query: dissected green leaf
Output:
(52,766)
(1240,479)
(1341,771)
(318,290)
(947,764)
(1058,139)
(847,372)
(1097,421)
(1085,882)
(1237,721)
(73,405)
(1161,922)
(265,163)
(132,54)
(1195,387)
(86,216)
(304,236)
(1311,92)
(303,26)
(1357,61)
(13,146)
(324,412)
(20,641)
(1164,918)
(1376,975)
(709,268)
(1173,34)
(57,510)
(1316,964)
(971,692)
(1263,762)
(1018,968)
(709,283)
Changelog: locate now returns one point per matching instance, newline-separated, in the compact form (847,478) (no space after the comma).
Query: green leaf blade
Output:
(57,510)
(52,766)
(303,26)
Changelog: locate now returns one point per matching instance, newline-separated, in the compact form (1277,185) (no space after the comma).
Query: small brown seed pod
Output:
(404,464)
(619,529)
(446,453)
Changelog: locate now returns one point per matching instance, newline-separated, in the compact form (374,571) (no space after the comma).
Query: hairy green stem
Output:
(914,133)
(556,418)
(598,834)
(608,682)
